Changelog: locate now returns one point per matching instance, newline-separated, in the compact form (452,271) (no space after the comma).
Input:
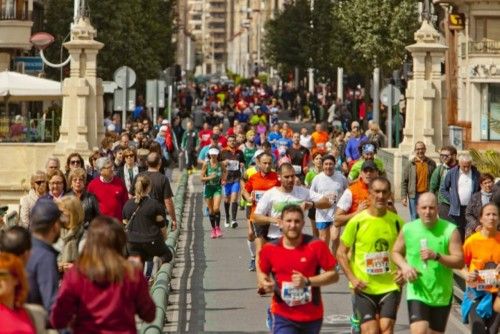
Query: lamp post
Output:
(311,70)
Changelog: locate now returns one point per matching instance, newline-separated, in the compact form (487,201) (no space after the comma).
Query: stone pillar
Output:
(426,93)
(82,113)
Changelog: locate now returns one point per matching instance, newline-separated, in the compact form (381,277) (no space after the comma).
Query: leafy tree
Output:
(375,32)
(136,33)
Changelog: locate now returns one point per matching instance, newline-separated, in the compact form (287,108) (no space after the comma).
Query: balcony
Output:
(483,48)
(15,24)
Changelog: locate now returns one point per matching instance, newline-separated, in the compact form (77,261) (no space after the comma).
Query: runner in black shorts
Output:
(436,316)
(367,306)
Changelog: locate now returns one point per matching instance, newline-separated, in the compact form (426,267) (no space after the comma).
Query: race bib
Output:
(487,280)
(233,165)
(295,296)
(297,169)
(377,263)
(258,195)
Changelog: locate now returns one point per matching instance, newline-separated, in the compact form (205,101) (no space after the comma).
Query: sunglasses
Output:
(39,182)
(74,162)
(128,156)
(444,155)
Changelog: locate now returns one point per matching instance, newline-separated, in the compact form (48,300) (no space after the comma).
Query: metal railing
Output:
(483,47)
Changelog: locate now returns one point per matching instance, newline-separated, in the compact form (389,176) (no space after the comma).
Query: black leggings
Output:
(147,250)
(479,325)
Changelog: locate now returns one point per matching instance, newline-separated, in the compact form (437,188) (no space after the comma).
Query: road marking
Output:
(337,319)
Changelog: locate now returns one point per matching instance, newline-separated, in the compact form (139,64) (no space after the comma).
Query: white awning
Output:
(18,86)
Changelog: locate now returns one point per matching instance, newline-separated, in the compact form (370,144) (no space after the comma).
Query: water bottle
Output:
(423,245)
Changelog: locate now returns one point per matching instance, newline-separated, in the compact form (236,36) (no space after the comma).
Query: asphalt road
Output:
(213,291)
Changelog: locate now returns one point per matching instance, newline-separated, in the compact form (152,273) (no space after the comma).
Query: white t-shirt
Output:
(306,141)
(328,186)
(274,200)
(345,201)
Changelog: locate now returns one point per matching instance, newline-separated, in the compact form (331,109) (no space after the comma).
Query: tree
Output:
(375,32)
(136,33)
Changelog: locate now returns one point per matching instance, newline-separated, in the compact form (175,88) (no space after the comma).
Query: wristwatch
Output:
(437,257)
(308,282)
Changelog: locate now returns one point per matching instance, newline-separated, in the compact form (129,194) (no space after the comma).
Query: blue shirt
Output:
(43,276)
(272,137)
(352,148)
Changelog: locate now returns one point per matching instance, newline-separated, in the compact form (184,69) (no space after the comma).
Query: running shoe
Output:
(251,265)
(218,232)
(234,224)
(226,223)
(213,234)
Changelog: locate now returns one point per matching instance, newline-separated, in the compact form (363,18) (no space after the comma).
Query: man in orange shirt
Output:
(255,187)
(319,138)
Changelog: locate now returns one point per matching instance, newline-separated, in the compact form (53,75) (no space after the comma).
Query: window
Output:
(490,117)
(487,28)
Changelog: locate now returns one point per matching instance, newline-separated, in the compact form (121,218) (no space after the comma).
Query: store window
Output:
(29,122)
(490,117)
(487,28)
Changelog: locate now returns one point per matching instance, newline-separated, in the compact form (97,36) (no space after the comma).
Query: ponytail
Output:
(142,187)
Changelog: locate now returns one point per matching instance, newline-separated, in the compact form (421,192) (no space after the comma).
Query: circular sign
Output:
(385,95)
(124,77)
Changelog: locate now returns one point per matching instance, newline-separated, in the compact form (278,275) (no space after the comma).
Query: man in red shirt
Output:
(109,189)
(289,267)
(205,135)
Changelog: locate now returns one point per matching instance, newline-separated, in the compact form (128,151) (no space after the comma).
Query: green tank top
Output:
(434,285)
(217,170)
(248,153)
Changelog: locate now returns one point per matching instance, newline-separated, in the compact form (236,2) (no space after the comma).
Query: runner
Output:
(369,236)
(213,175)
(355,198)
(332,184)
(482,260)
(319,139)
(368,151)
(255,187)
(300,157)
(290,267)
(311,174)
(249,148)
(427,250)
(234,161)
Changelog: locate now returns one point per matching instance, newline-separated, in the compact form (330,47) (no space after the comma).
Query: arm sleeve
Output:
(24,212)
(249,185)
(145,306)
(467,253)
(326,260)
(66,302)
(167,189)
(434,184)
(345,201)
(404,184)
(264,263)
(445,186)
(47,281)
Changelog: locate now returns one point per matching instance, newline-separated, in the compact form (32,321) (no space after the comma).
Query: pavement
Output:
(213,291)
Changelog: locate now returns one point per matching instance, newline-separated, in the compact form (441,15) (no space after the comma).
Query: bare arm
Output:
(263,219)
(169,204)
(323,203)
(398,257)
(454,260)
(325,278)
(343,259)
(342,217)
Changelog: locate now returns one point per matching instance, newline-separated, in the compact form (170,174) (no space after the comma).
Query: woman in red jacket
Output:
(103,291)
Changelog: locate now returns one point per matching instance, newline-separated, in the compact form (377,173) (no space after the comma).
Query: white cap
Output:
(257,153)
(213,151)
(165,122)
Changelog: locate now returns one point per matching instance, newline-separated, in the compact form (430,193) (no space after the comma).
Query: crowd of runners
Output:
(90,234)
(332,180)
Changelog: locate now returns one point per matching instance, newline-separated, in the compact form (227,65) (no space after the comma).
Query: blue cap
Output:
(45,212)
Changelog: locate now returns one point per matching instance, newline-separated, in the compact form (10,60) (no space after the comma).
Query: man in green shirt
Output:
(369,236)
(426,251)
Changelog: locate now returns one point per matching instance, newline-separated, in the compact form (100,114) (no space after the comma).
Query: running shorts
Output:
(230,188)
(367,306)
(437,316)
(211,191)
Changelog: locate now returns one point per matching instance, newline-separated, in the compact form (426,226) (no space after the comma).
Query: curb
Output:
(161,287)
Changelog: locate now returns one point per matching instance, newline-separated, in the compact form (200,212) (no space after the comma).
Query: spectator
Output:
(72,230)
(129,171)
(477,201)
(42,270)
(73,161)
(16,240)
(53,163)
(13,292)
(103,291)
(146,224)
(88,200)
(374,134)
(57,185)
(416,178)
(109,189)
(352,149)
(459,184)
(38,189)
(448,156)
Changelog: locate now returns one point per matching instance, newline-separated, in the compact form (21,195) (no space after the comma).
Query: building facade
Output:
(472,33)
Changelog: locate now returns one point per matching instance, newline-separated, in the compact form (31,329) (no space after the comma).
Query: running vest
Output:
(359,191)
(214,170)
(434,284)
(248,153)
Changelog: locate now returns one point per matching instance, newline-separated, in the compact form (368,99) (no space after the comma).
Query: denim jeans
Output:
(412,203)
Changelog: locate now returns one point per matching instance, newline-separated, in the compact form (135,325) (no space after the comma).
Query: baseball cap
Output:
(368,148)
(369,164)
(213,151)
(44,214)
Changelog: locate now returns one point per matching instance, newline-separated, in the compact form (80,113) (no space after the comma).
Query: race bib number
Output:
(487,280)
(297,169)
(377,263)
(258,195)
(295,296)
(233,165)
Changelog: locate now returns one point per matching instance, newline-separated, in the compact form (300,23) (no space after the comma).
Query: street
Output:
(213,291)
